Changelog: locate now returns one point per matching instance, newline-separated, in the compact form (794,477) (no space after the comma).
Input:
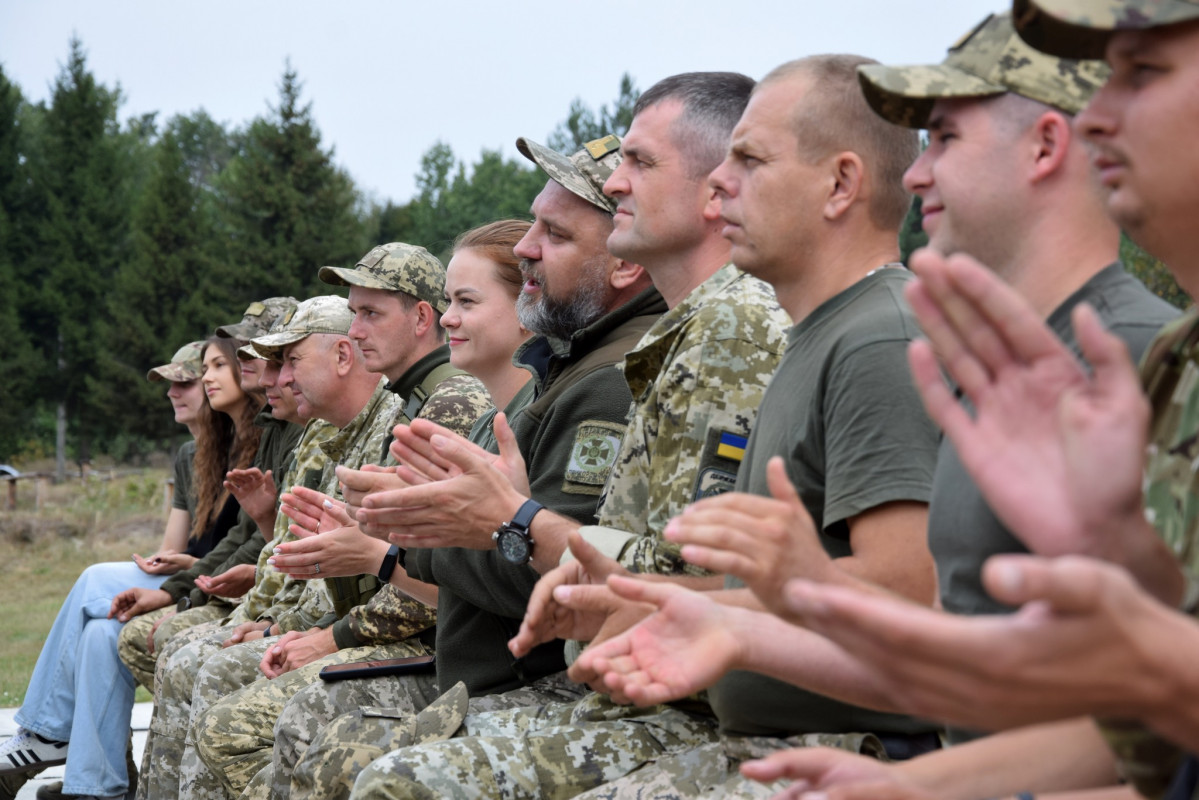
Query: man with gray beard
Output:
(588,308)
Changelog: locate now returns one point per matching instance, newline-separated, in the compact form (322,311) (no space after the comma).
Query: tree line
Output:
(121,242)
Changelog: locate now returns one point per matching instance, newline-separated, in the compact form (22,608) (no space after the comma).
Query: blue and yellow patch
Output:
(731,446)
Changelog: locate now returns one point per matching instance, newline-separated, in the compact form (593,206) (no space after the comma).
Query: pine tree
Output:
(286,209)
(160,299)
(81,175)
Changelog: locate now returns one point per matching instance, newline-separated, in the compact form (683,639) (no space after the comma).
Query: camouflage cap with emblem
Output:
(259,318)
(988,61)
(185,365)
(583,173)
(324,314)
(1081,28)
(395,267)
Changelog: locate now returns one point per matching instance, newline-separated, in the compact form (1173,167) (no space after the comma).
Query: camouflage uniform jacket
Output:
(456,402)
(1170,375)
(244,541)
(358,443)
(697,378)
(308,468)
(568,435)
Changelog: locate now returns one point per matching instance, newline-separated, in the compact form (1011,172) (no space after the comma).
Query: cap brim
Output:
(175,373)
(247,352)
(276,341)
(244,331)
(341,276)
(1072,29)
(562,171)
(905,95)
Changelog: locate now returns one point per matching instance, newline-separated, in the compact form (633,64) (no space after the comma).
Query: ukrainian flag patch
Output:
(731,446)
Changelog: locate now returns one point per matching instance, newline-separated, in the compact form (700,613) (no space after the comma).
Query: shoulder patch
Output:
(592,456)
(713,481)
(719,462)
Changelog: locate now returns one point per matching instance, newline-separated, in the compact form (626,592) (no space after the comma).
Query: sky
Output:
(387,80)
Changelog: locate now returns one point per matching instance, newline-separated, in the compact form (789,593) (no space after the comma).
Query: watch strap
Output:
(393,556)
(524,515)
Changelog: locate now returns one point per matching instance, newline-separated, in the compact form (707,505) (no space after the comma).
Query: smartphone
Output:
(377,669)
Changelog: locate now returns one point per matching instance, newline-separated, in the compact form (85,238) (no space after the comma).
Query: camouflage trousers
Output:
(554,750)
(234,737)
(133,643)
(381,720)
(559,762)
(713,770)
(180,678)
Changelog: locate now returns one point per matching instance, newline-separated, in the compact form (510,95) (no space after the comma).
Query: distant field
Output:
(44,552)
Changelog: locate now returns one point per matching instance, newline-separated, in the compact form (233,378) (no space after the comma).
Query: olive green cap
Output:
(258,319)
(988,61)
(1081,28)
(323,314)
(583,173)
(395,267)
(185,365)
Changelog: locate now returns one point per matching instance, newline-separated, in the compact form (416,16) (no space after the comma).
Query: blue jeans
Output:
(80,691)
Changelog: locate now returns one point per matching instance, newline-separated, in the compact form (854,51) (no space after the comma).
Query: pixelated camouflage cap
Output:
(185,365)
(247,352)
(259,318)
(324,314)
(989,60)
(395,267)
(583,173)
(1081,28)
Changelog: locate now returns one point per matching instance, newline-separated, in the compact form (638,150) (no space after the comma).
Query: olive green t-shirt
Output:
(963,532)
(844,414)
(185,496)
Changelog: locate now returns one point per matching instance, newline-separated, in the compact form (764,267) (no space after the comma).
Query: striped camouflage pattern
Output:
(1081,28)
(988,61)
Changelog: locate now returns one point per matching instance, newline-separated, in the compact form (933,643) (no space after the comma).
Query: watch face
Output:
(513,546)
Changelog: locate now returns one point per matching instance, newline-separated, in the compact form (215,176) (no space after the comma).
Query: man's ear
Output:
(426,316)
(1051,137)
(846,179)
(711,211)
(346,355)
(626,274)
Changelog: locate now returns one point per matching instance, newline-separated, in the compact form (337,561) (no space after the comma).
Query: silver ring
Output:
(317,571)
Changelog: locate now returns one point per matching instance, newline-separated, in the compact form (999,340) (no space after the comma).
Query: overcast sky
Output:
(388,79)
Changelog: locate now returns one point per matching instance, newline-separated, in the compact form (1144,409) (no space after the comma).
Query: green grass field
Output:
(44,552)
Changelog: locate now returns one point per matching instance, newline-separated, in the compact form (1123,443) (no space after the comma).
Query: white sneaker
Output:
(27,751)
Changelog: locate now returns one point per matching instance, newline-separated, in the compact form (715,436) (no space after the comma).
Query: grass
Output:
(44,551)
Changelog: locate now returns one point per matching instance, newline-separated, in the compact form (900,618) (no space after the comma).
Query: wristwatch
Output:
(512,539)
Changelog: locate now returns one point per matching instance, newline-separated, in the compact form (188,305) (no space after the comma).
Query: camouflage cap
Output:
(259,318)
(395,267)
(583,173)
(323,314)
(1081,28)
(185,365)
(990,60)
(247,352)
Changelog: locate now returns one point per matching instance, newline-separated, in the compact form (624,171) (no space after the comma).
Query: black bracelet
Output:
(394,555)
